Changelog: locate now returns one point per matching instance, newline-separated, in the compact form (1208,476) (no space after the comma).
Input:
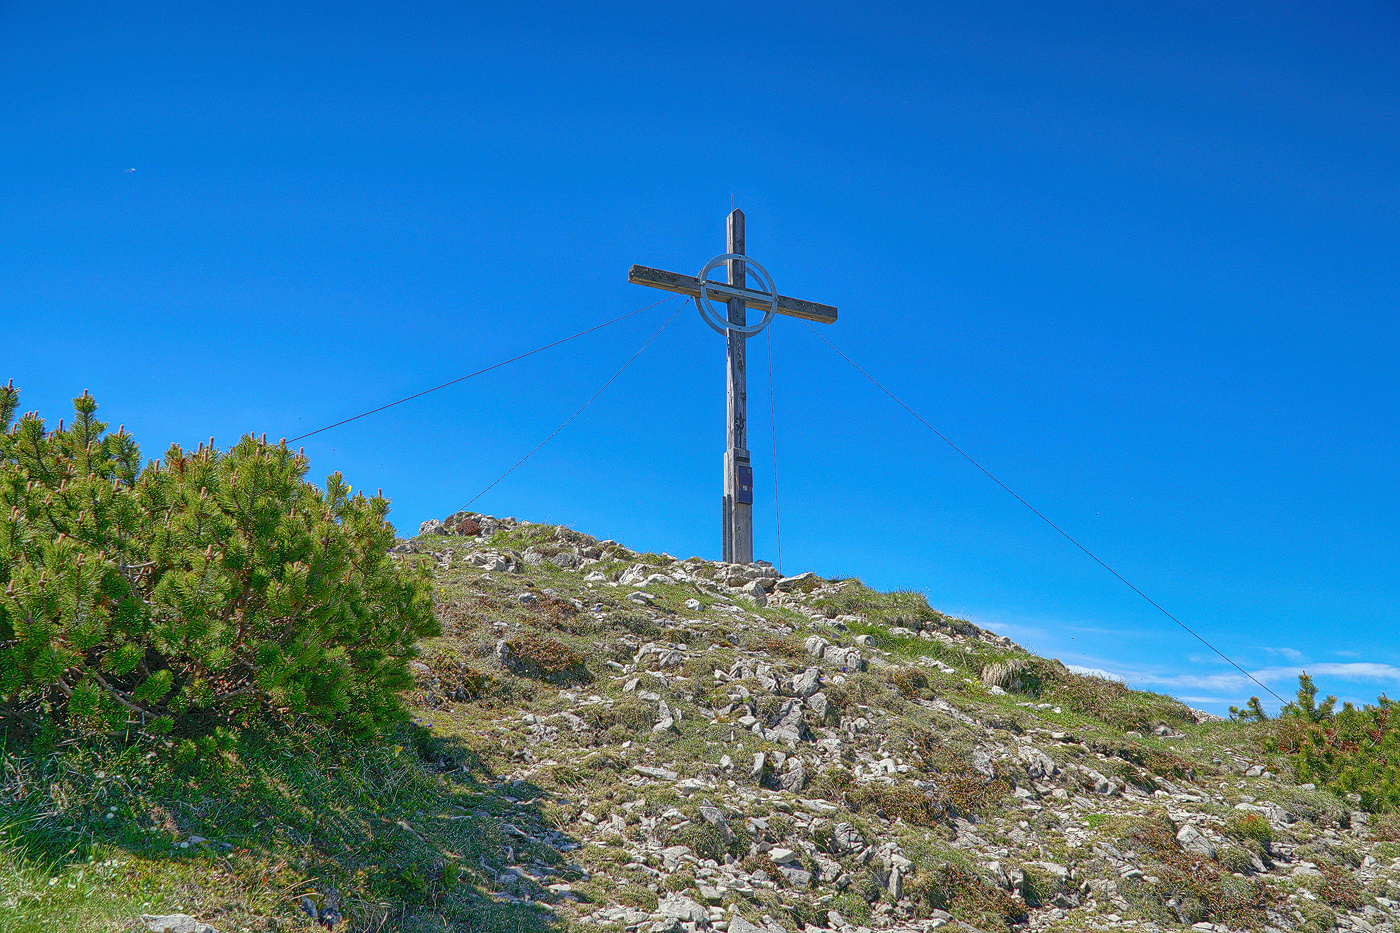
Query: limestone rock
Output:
(794,779)
(1192,839)
(795,876)
(807,683)
(740,925)
(848,659)
(175,923)
(803,582)
(680,907)
(846,838)
(1037,763)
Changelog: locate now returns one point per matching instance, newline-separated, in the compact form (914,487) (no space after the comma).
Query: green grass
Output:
(404,845)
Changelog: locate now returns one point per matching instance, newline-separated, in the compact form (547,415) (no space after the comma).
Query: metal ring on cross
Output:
(720,323)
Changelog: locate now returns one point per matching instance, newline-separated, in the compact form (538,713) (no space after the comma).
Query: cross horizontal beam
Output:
(759,301)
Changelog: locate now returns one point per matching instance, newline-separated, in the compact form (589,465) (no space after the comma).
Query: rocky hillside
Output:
(689,745)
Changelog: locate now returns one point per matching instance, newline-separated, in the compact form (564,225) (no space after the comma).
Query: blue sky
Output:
(1139,260)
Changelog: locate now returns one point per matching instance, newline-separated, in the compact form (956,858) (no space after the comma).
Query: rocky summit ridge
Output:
(705,746)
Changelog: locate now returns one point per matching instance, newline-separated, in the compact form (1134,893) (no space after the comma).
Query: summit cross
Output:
(737,517)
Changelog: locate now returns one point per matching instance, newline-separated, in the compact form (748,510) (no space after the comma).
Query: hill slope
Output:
(726,746)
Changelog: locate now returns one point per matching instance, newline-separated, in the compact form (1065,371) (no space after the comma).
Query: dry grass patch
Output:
(967,896)
(546,659)
(898,801)
(1190,888)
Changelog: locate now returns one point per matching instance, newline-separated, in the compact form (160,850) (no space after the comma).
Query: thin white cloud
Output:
(1095,672)
(1194,677)
(1356,670)
(1027,627)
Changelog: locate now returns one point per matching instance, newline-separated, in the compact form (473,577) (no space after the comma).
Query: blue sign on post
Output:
(743,483)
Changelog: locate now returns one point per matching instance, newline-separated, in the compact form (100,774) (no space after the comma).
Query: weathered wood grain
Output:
(755,300)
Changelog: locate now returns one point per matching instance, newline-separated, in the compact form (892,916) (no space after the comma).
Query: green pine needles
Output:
(1348,751)
(209,588)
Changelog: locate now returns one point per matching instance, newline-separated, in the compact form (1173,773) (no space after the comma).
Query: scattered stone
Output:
(1192,840)
(661,774)
(178,923)
(845,838)
(740,925)
(760,762)
(803,582)
(679,907)
(794,778)
(807,683)
(795,876)
(665,721)
(848,659)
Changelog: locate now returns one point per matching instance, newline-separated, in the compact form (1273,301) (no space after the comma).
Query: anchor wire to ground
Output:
(482,371)
(1070,538)
(561,427)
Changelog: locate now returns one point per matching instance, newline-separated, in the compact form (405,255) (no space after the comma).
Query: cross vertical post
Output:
(738,469)
(737,511)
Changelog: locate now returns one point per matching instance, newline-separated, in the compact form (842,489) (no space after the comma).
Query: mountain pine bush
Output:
(205,588)
(1354,751)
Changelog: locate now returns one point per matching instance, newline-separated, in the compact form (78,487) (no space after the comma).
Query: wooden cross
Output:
(738,469)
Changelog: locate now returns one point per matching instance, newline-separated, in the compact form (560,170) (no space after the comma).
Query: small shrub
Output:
(1250,826)
(1189,887)
(963,788)
(1315,806)
(967,896)
(909,681)
(1354,751)
(1339,888)
(634,895)
(629,716)
(1155,760)
(545,658)
(1386,828)
(898,801)
(679,881)
(465,525)
(1041,886)
(833,783)
(638,624)
(1235,859)
(711,842)
(206,587)
(777,646)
